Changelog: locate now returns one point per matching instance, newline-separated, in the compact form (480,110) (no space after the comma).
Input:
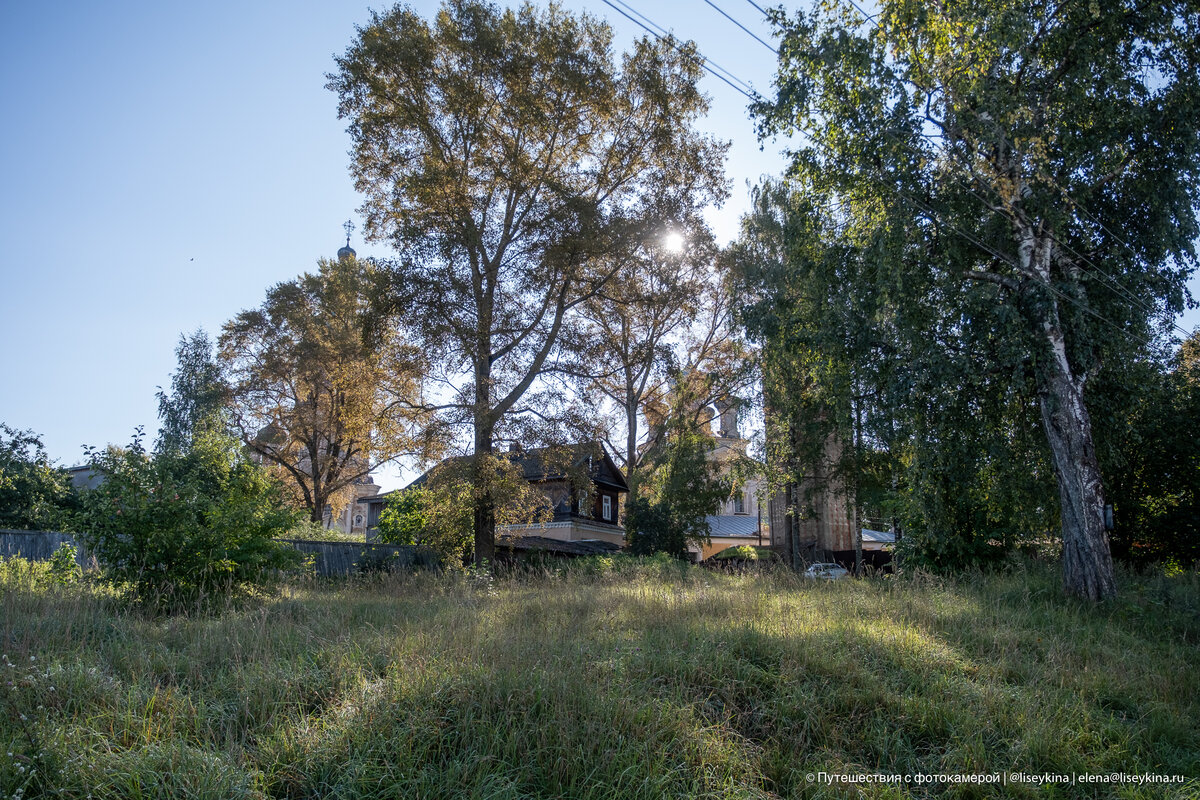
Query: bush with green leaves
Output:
(182,529)
(743,552)
(64,568)
(34,494)
(437,518)
(405,516)
(309,531)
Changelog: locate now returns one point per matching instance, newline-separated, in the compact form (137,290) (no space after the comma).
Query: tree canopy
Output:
(198,398)
(1011,193)
(515,166)
(683,485)
(316,392)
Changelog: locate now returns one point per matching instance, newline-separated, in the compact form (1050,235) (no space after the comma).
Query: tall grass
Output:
(627,680)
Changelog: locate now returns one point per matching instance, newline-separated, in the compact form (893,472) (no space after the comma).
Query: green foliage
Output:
(439,514)
(742,551)
(1152,463)
(652,679)
(682,486)
(64,569)
(197,402)
(952,262)
(185,529)
(58,571)
(308,530)
(34,494)
(406,516)
(22,574)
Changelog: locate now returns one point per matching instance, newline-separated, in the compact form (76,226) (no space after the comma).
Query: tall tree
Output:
(875,384)
(198,397)
(683,485)
(1038,153)
(662,320)
(514,166)
(319,393)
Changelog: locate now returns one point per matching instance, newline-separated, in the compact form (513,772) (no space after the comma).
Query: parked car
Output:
(827,571)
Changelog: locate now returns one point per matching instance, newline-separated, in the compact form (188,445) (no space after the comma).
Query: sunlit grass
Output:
(633,681)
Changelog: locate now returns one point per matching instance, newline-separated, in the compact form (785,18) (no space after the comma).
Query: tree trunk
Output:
(793,492)
(631,433)
(319,495)
(485,509)
(1086,558)
(857,495)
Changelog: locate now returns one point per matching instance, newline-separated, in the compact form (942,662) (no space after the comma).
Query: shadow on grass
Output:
(616,686)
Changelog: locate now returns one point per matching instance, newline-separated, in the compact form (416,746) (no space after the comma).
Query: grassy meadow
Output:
(615,679)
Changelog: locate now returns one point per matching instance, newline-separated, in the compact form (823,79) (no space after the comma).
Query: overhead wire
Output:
(706,62)
(649,25)
(1113,284)
(751,33)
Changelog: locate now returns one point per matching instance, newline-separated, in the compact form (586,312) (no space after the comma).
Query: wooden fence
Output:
(329,558)
(345,558)
(39,545)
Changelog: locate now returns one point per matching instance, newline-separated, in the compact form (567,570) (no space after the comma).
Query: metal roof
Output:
(733,525)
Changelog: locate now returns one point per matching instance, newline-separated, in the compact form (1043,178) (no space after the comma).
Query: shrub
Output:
(34,494)
(405,516)
(182,529)
(64,568)
(742,551)
(310,531)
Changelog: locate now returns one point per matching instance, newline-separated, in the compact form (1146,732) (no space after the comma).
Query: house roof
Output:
(537,465)
(882,537)
(732,525)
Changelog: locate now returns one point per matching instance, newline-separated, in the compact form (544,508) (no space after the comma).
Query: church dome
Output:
(347,252)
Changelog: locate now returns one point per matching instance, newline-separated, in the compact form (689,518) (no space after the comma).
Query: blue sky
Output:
(163,164)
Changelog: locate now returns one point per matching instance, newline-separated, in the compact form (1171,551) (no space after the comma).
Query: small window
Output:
(358,519)
(583,501)
(607,510)
(739,504)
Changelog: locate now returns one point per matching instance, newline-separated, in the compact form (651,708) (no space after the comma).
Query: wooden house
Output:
(582,482)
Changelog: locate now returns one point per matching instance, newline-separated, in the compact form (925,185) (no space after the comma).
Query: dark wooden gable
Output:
(606,473)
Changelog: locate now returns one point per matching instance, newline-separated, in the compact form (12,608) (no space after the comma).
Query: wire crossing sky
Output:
(164,164)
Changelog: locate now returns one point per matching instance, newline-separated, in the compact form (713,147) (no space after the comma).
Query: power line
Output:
(661,31)
(909,147)
(743,27)
(757,6)
(1127,293)
(869,17)
(706,62)
(1005,259)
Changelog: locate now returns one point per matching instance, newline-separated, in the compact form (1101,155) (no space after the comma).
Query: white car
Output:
(827,571)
